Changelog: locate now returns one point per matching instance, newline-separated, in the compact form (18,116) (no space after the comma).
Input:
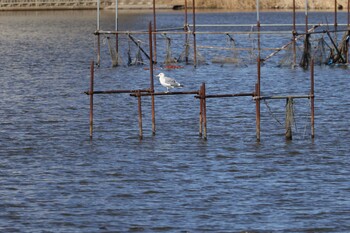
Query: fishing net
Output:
(320,54)
(168,57)
(187,55)
(116,60)
(234,58)
(305,59)
(138,60)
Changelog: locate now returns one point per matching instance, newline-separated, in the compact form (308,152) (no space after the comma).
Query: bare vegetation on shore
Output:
(264,4)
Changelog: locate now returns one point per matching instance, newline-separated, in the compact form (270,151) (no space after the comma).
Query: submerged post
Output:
(201,111)
(204,112)
(194,33)
(312,99)
(257,88)
(151,78)
(140,114)
(289,118)
(91,97)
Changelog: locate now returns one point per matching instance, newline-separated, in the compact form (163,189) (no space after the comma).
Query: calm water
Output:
(54,179)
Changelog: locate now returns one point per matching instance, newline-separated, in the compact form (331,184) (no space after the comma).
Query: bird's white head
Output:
(160,75)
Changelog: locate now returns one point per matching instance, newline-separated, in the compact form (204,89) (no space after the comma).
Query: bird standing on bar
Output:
(168,82)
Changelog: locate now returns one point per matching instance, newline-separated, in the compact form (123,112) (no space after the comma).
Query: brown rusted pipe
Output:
(91,97)
(204,113)
(114,92)
(151,78)
(186,30)
(312,95)
(227,95)
(289,106)
(98,50)
(257,104)
(194,34)
(154,29)
(169,93)
(294,36)
(140,114)
(201,111)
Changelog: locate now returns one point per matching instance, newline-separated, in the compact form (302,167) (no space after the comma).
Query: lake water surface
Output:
(53,178)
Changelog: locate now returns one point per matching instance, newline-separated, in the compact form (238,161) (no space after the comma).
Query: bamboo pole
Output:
(98,35)
(312,96)
(151,78)
(91,98)
(186,30)
(116,34)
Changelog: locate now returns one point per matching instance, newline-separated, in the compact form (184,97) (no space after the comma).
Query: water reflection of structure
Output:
(340,55)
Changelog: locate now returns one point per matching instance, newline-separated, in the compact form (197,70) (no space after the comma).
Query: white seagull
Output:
(168,82)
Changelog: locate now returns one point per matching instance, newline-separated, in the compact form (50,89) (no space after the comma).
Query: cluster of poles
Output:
(201,92)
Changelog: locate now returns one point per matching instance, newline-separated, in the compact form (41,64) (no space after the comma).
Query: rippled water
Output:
(54,179)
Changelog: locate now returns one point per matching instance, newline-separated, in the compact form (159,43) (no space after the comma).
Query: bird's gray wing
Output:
(170,81)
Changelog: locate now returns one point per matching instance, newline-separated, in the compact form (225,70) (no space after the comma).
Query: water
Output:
(54,179)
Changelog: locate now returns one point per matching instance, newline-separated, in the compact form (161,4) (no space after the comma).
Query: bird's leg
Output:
(167,90)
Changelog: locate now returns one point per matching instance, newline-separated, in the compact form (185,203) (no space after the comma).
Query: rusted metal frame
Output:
(284,97)
(140,114)
(294,36)
(92,67)
(258,87)
(194,34)
(312,99)
(167,93)
(186,30)
(151,63)
(201,100)
(114,92)
(154,29)
(204,111)
(226,95)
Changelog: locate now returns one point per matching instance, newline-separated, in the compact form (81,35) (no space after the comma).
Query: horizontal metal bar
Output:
(261,25)
(283,97)
(191,32)
(226,95)
(167,93)
(114,92)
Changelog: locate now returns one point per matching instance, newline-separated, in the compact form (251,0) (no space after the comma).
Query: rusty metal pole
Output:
(151,78)
(186,30)
(140,114)
(312,99)
(259,75)
(201,111)
(336,20)
(155,30)
(306,17)
(257,107)
(98,34)
(204,113)
(194,33)
(348,53)
(91,97)
(294,36)
(116,34)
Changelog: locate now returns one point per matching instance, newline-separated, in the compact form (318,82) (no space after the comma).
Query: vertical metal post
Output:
(140,114)
(306,17)
(194,33)
(204,112)
(259,75)
(91,98)
(348,53)
(257,107)
(201,111)
(186,30)
(155,30)
(294,36)
(312,99)
(289,117)
(151,77)
(98,34)
(116,34)
(336,20)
